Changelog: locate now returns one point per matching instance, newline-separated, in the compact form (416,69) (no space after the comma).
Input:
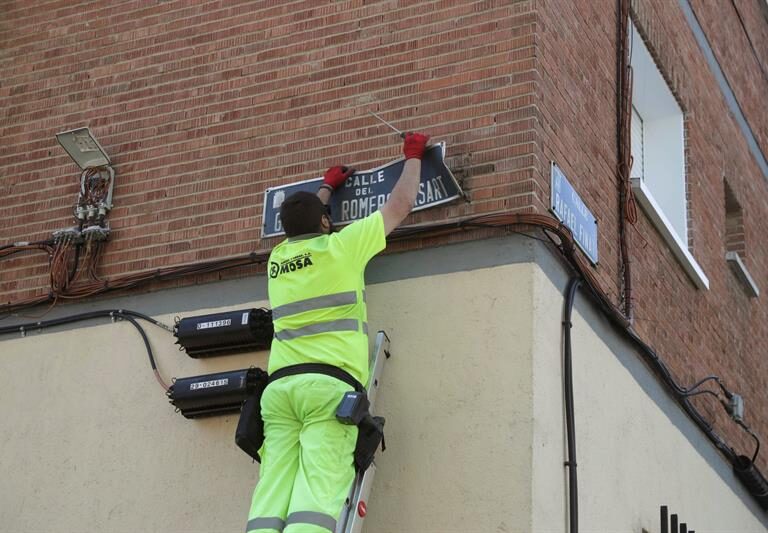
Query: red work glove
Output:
(414,145)
(336,176)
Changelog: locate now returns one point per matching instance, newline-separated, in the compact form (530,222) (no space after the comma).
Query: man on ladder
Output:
(319,352)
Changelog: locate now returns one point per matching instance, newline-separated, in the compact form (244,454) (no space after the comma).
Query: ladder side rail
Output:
(349,520)
(376,365)
(362,494)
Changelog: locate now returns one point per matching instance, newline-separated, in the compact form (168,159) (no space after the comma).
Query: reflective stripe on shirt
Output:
(313,304)
(335,326)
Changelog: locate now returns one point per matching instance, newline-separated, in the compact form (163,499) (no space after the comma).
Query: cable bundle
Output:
(94,198)
(65,251)
(18,247)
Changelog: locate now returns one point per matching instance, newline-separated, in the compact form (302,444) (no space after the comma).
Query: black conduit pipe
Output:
(751,477)
(120,314)
(573,489)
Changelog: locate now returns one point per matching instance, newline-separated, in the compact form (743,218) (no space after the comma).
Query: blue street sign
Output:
(571,210)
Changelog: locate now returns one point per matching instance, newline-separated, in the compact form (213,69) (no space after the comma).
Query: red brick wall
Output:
(698,332)
(203,106)
(744,66)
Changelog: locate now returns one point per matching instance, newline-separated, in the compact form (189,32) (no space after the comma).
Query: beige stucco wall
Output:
(89,442)
(458,398)
(631,456)
(475,431)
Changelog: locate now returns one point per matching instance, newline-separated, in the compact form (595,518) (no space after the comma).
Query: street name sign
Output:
(366,191)
(570,209)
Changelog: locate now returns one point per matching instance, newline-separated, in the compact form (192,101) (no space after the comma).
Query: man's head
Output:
(303,212)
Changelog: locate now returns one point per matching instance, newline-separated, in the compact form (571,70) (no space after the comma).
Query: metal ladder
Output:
(356,505)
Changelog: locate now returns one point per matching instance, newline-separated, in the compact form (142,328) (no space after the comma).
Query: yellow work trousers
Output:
(307,457)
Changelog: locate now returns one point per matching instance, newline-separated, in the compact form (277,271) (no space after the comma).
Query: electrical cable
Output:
(757,441)
(41,315)
(627,204)
(149,350)
(59,269)
(123,314)
(573,489)
(728,394)
(85,289)
(47,242)
(98,248)
(15,248)
(678,392)
(75,262)
(701,382)
(705,391)
(21,328)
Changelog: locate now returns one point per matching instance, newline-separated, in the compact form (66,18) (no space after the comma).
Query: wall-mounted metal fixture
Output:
(83,148)
(97,179)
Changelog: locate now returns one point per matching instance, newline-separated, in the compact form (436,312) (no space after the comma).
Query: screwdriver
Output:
(399,133)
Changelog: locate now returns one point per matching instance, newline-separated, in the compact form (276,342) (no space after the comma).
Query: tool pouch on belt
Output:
(249,434)
(370,434)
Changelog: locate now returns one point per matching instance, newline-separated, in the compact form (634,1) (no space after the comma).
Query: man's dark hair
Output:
(302,213)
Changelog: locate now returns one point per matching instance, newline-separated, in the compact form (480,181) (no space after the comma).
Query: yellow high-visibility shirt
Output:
(317,294)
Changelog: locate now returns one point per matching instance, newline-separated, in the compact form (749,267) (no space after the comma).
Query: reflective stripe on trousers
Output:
(300,517)
(270,522)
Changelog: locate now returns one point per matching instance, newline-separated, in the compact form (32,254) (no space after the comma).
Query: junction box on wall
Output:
(97,183)
(214,394)
(225,333)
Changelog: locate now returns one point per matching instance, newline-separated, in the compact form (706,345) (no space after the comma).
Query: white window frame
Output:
(658,171)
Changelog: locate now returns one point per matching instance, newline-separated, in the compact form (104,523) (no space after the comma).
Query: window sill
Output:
(679,249)
(740,269)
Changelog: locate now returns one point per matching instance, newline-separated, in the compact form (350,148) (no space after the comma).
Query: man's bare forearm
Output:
(403,195)
(324,193)
(407,187)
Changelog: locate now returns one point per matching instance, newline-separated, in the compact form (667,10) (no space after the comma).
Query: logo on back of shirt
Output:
(293,264)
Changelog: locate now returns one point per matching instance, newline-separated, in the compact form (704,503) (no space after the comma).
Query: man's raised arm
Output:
(333,179)
(404,194)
